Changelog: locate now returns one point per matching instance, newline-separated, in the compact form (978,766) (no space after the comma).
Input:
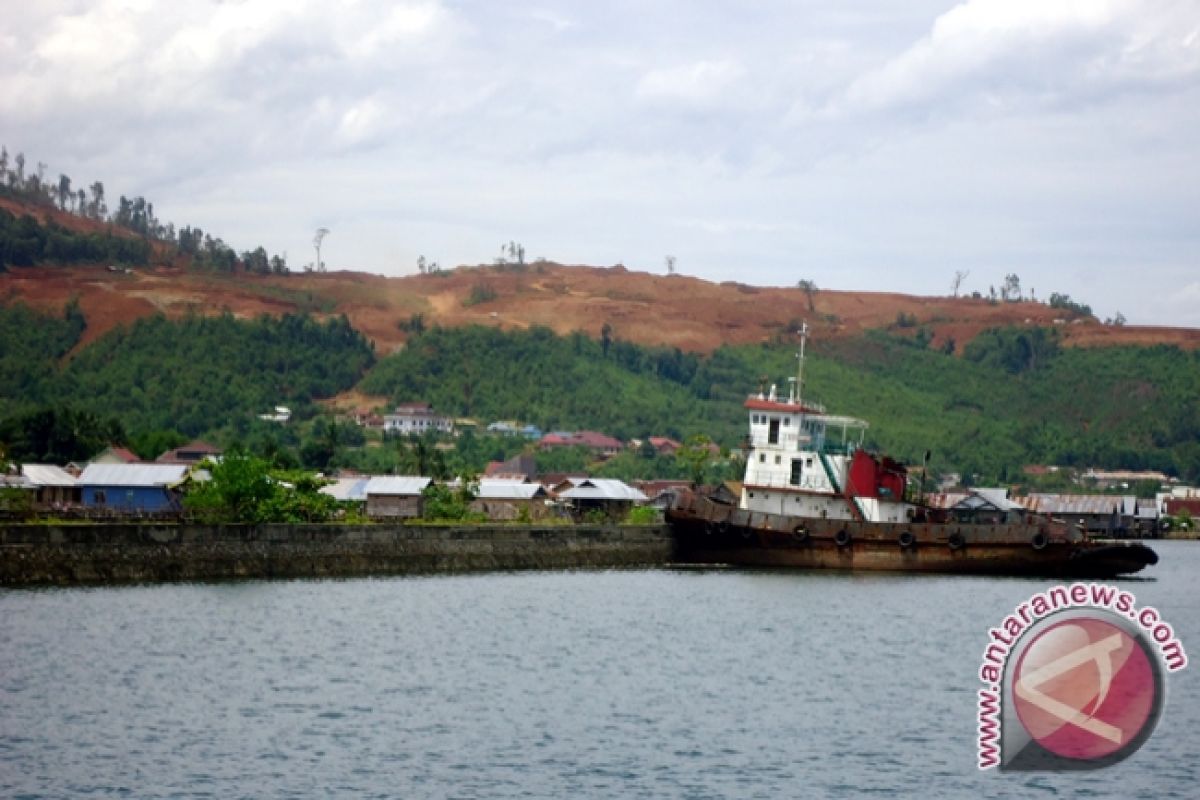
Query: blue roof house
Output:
(133,488)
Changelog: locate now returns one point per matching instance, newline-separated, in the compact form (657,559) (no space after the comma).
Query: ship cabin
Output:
(805,462)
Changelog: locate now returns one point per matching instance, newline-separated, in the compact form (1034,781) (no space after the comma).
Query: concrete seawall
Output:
(65,555)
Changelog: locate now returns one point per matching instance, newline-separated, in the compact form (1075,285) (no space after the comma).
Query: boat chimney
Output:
(772,397)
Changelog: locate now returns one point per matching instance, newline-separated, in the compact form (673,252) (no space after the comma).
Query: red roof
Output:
(124,454)
(1176,504)
(590,439)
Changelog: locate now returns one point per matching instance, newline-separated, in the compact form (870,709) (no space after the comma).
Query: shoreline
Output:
(82,555)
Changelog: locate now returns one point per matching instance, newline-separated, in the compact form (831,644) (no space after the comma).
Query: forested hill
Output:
(1014,396)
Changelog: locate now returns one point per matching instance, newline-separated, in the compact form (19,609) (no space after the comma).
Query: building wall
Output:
(149,499)
(507,510)
(394,506)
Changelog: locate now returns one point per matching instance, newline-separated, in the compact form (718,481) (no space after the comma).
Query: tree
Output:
(606,331)
(810,290)
(97,209)
(670,265)
(421,265)
(242,489)
(64,191)
(317,239)
(1010,292)
(694,456)
(960,275)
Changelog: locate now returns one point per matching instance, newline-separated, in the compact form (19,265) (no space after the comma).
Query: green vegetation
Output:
(1015,397)
(244,489)
(33,345)
(24,242)
(444,504)
(202,373)
(558,382)
(165,382)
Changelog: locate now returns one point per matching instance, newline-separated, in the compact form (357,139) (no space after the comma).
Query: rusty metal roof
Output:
(1067,504)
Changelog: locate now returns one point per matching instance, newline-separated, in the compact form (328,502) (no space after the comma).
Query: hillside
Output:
(653,310)
(206,276)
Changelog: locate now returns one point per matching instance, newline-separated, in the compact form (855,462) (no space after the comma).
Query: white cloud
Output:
(1056,49)
(880,146)
(700,84)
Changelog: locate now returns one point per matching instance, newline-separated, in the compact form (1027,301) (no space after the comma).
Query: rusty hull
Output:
(708,532)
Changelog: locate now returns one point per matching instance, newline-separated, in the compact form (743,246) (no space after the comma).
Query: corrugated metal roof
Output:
(347,489)
(602,489)
(396,485)
(133,474)
(1066,504)
(48,475)
(492,489)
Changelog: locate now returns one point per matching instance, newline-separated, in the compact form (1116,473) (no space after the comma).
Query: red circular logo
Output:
(1084,688)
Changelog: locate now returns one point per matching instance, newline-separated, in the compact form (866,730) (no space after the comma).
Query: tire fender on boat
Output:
(1039,540)
(800,533)
(955,541)
(842,538)
(907,539)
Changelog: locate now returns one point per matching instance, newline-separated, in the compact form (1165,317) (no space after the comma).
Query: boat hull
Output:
(707,532)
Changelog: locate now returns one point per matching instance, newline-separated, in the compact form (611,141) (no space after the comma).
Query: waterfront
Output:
(656,683)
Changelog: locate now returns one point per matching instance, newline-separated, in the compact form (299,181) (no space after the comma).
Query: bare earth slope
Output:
(678,311)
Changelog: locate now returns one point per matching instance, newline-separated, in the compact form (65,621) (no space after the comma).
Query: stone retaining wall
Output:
(88,554)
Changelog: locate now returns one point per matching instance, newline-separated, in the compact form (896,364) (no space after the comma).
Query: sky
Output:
(867,145)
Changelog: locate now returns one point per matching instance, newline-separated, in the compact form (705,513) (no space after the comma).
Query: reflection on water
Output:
(593,684)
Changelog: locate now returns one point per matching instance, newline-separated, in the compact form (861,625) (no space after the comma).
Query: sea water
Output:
(656,683)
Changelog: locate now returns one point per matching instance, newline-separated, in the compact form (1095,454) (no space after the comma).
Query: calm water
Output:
(586,684)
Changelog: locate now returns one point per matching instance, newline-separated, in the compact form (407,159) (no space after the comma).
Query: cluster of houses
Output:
(116,483)
(1101,514)
(415,419)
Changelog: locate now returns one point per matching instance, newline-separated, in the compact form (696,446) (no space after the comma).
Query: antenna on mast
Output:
(800,367)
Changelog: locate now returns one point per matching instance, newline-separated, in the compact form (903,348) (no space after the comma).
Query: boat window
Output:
(796,470)
(787,421)
(777,461)
(762,458)
(773,431)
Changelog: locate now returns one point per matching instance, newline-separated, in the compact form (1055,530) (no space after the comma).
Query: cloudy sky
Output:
(860,145)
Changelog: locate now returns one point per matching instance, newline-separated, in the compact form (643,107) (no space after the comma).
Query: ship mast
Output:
(800,367)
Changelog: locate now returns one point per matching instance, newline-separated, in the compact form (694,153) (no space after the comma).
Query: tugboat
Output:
(813,498)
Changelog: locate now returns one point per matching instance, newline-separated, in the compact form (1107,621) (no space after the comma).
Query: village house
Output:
(607,496)
(1104,514)
(511,428)
(191,453)
(508,500)
(600,444)
(396,497)
(133,488)
(53,487)
(521,467)
(416,418)
(115,455)
(664,446)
